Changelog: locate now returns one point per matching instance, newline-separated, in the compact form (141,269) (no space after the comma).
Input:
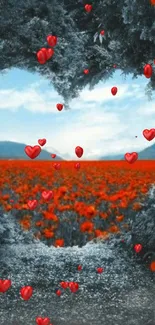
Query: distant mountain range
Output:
(14,150)
(146,154)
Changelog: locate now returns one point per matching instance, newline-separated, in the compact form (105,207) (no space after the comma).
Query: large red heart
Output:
(42,321)
(149,134)
(32,152)
(42,142)
(4,285)
(131,157)
(26,292)
(47,195)
(73,286)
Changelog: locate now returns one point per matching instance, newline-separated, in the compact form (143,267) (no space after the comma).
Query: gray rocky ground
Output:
(123,294)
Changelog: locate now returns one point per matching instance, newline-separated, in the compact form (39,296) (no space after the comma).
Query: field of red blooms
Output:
(94,201)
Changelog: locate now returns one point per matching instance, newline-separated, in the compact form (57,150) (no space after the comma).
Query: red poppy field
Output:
(93,201)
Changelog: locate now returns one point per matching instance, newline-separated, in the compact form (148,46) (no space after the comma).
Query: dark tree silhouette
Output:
(129,40)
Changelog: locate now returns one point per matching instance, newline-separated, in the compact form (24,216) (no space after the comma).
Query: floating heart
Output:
(64,284)
(42,321)
(100,270)
(4,285)
(57,166)
(102,32)
(79,268)
(149,134)
(50,53)
(58,292)
(79,151)
(60,107)
(53,155)
(52,40)
(88,7)
(47,195)
(148,71)
(26,292)
(32,204)
(32,152)
(114,91)
(86,71)
(41,56)
(131,157)
(42,142)
(73,286)
(77,165)
(138,248)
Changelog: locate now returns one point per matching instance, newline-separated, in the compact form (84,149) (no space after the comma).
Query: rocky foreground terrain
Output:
(123,294)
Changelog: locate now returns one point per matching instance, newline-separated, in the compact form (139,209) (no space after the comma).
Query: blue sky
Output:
(99,122)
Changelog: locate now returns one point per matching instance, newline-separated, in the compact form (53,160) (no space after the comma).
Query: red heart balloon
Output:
(79,151)
(131,157)
(50,53)
(57,166)
(149,134)
(32,152)
(47,195)
(64,284)
(77,166)
(148,71)
(86,71)
(99,269)
(32,204)
(52,40)
(26,292)
(42,321)
(42,56)
(42,142)
(53,155)
(59,107)
(138,248)
(114,91)
(73,286)
(88,7)
(5,285)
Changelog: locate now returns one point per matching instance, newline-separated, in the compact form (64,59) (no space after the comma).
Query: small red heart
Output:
(149,134)
(138,248)
(114,91)
(64,284)
(77,165)
(32,152)
(59,107)
(5,285)
(73,286)
(53,155)
(102,32)
(58,293)
(88,7)
(42,142)
(86,71)
(100,270)
(50,53)
(57,166)
(47,195)
(79,267)
(52,40)
(131,157)
(42,56)
(79,151)
(42,321)
(26,292)
(32,204)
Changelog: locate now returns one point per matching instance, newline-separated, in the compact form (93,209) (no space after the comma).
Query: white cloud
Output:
(100,123)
